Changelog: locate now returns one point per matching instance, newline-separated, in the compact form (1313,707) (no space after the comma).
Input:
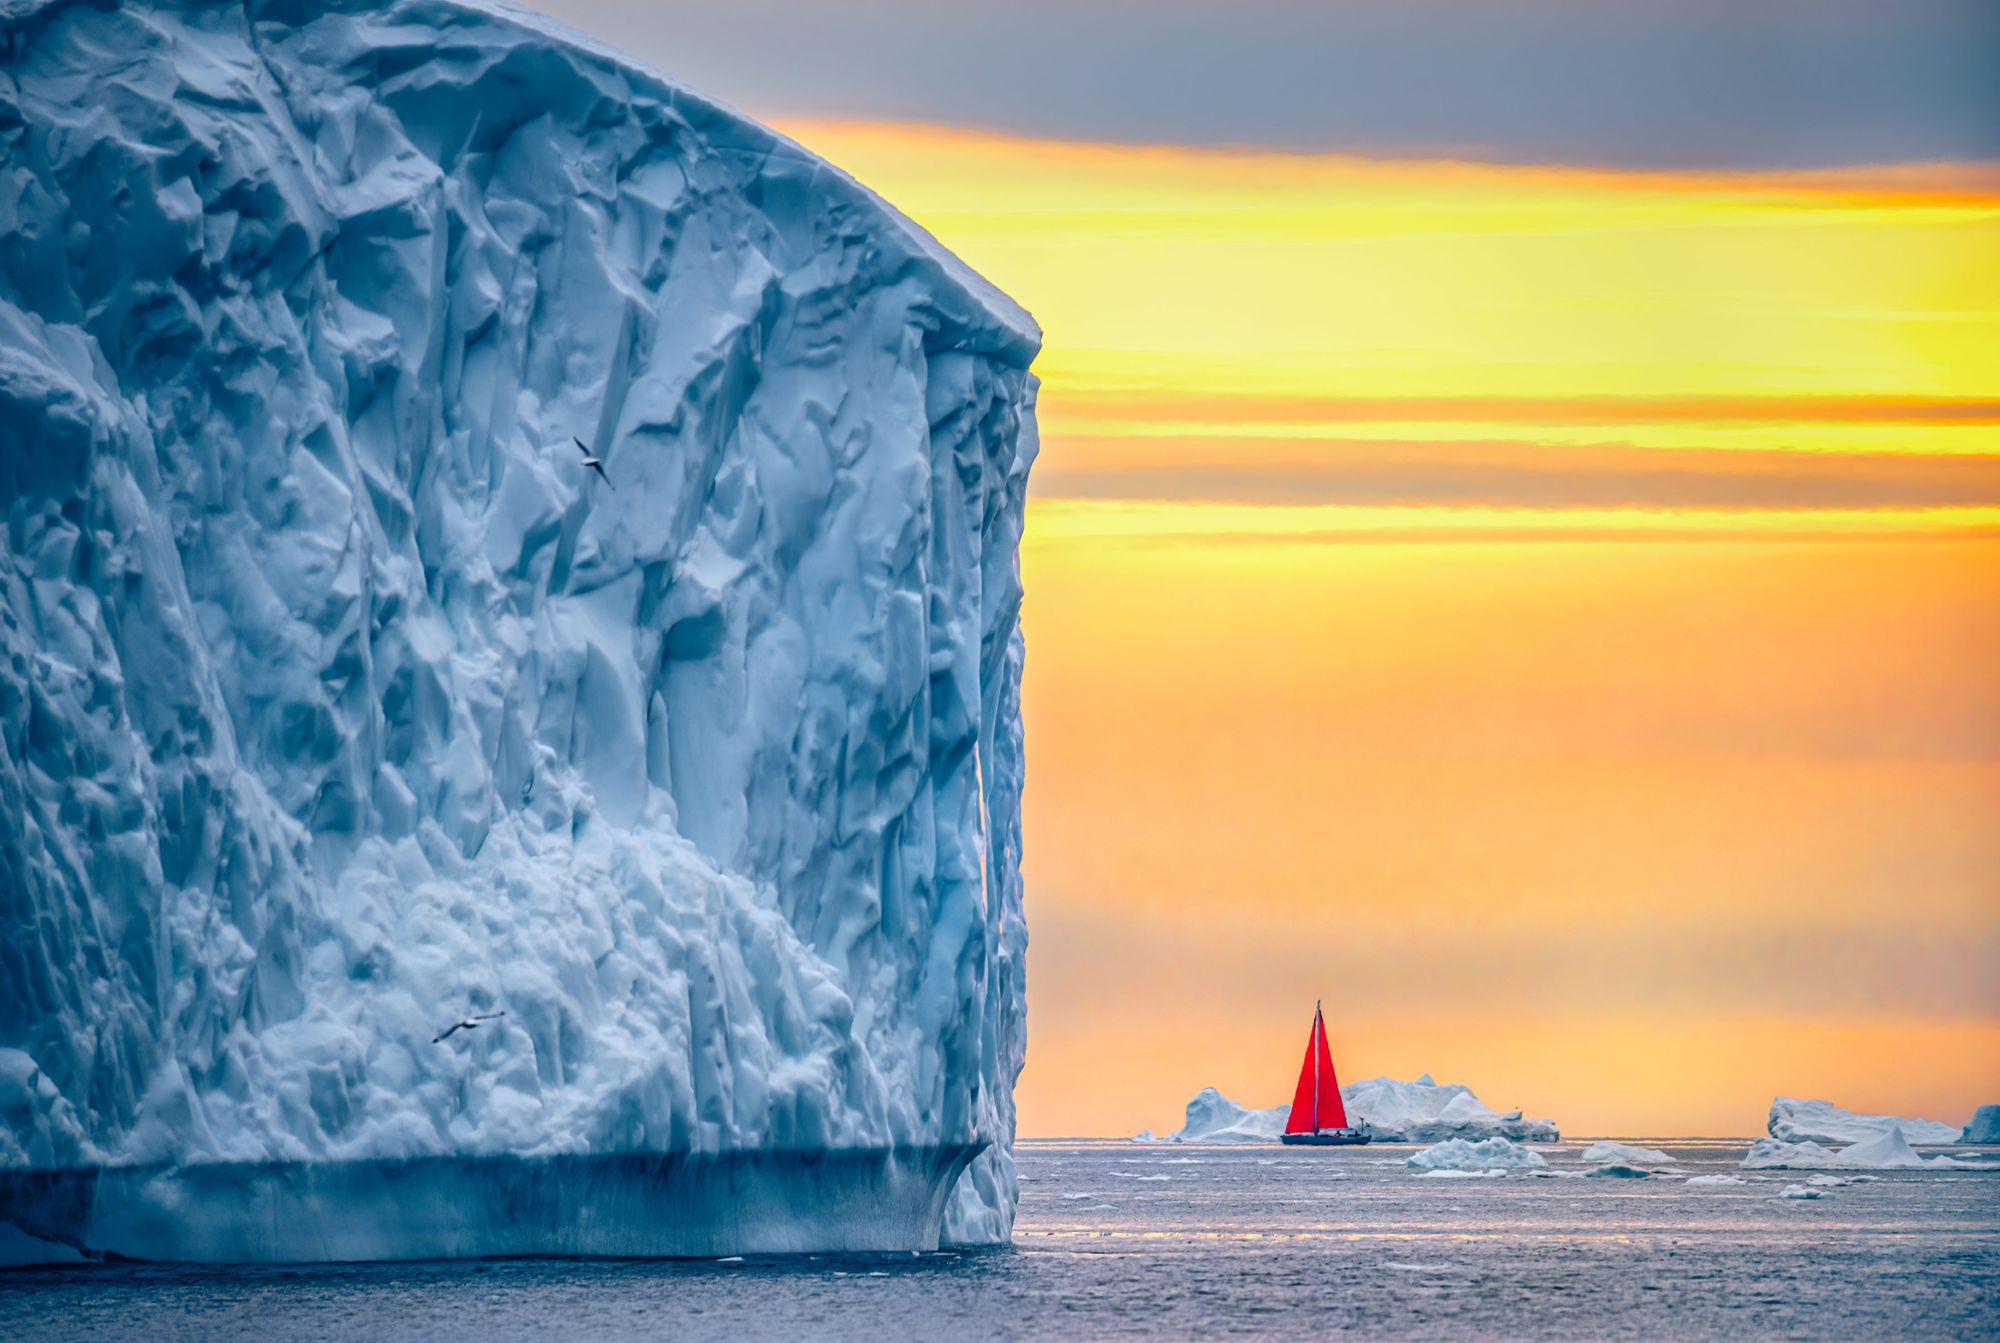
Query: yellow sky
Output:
(1551,614)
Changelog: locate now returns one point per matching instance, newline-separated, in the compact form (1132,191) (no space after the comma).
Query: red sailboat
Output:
(1318,1117)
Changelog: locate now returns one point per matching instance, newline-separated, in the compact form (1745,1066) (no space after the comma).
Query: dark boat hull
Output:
(1326,1138)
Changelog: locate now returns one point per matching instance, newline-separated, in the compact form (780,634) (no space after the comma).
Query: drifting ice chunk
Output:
(1626,1155)
(1490,1154)
(1985,1126)
(1803,1191)
(1716,1180)
(340,701)
(1886,1151)
(1825,1122)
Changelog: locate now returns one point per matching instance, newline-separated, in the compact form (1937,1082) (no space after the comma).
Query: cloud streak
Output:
(1521,474)
(1755,83)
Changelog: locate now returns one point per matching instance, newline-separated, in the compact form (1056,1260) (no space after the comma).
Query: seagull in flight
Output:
(471,1023)
(590,460)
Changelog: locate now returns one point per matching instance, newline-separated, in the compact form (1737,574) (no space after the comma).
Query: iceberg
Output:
(1715,1180)
(1824,1122)
(1803,1191)
(1623,1154)
(342,699)
(1213,1117)
(1425,1111)
(1888,1150)
(1420,1111)
(1488,1154)
(1984,1127)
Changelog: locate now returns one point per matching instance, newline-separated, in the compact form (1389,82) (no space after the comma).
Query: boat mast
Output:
(1319,1030)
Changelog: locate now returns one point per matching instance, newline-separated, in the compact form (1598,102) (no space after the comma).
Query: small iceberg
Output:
(1985,1126)
(1824,1122)
(1432,1112)
(1213,1117)
(1889,1150)
(1802,1191)
(1716,1179)
(1489,1154)
(1623,1154)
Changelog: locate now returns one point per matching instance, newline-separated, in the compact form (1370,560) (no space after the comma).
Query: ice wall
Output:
(339,700)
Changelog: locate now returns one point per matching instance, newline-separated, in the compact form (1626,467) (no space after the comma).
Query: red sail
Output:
(1332,1114)
(1316,1103)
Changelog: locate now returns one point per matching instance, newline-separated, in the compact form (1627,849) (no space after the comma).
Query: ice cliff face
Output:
(339,701)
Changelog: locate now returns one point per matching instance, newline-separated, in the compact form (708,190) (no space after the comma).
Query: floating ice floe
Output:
(1488,1154)
(1625,1154)
(1419,1111)
(1824,1122)
(1801,1191)
(1716,1180)
(1889,1150)
(1460,1174)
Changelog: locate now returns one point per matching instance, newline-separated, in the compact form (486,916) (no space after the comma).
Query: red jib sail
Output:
(1316,1104)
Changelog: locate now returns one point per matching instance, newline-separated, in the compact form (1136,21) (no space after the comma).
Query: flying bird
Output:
(590,460)
(471,1023)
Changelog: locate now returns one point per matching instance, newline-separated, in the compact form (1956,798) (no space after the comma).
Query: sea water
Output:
(1119,1240)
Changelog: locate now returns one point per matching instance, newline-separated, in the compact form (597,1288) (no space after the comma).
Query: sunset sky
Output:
(1516,546)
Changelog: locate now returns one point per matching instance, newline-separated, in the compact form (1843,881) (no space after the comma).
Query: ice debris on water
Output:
(1488,1154)
(1625,1154)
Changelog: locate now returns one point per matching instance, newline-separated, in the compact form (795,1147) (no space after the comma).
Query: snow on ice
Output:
(1825,1122)
(341,701)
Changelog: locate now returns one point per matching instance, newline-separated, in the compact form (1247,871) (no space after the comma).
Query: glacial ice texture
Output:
(1824,1122)
(338,700)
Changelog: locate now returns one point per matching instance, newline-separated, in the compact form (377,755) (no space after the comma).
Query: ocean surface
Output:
(1117,1240)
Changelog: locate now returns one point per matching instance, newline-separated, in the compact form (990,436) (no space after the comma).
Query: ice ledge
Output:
(639,1205)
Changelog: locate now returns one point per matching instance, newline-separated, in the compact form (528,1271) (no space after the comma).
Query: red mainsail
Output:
(1316,1104)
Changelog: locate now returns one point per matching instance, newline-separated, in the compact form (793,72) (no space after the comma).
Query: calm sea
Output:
(1117,1240)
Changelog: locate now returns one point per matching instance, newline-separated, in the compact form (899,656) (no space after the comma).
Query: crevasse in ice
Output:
(339,701)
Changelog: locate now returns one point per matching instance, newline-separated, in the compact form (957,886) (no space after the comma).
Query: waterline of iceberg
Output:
(634,1205)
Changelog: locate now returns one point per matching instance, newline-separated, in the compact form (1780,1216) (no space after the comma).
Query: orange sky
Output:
(1551,614)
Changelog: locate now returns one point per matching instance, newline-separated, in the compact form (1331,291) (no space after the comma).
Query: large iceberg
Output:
(340,701)
(1420,1111)
(1824,1122)
(1984,1126)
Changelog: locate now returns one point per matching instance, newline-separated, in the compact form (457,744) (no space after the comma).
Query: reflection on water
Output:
(1119,1240)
